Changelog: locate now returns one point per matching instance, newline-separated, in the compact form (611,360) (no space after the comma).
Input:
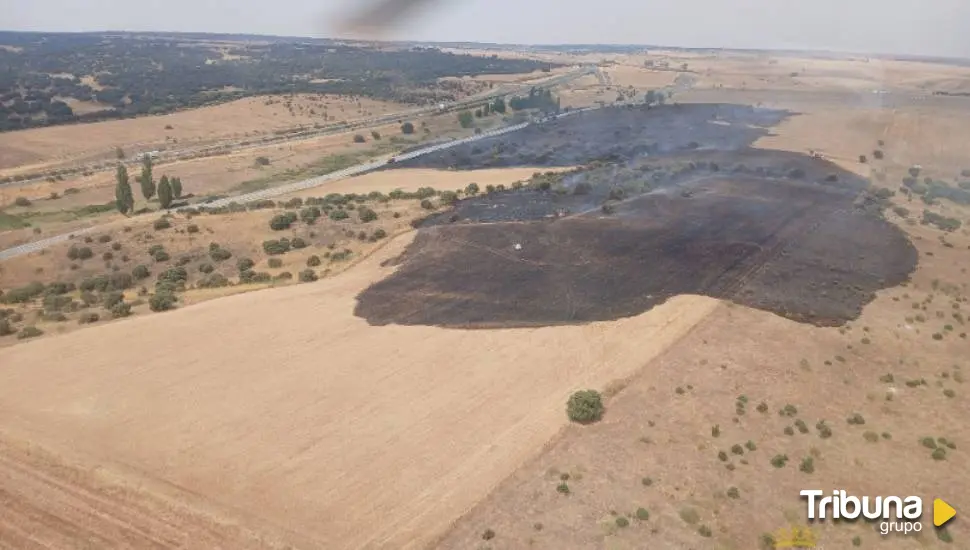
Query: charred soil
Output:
(778,231)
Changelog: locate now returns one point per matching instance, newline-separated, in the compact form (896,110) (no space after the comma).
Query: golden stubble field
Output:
(283,406)
(35,149)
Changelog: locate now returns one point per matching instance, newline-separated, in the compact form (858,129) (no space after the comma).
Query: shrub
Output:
(110,299)
(585,406)
(5,328)
(734,493)
(275,263)
(192,228)
(162,301)
(375,134)
(313,261)
(275,247)
(219,254)
(622,522)
(244,264)
(310,214)
(939,454)
(262,161)
(22,201)
(298,243)
(215,280)
(704,531)
(206,268)
(140,272)
(308,276)
(807,465)
(121,309)
(779,461)
(366,215)
(407,128)
(642,514)
(161,223)
(88,317)
(250,276)
(283,221)
(359,138)
(161,256)
(379,234)
(488,534)
(174,275)
(29,331)
(337,215)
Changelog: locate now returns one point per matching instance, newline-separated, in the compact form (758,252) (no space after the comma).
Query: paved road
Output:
(163,157)
(291,187)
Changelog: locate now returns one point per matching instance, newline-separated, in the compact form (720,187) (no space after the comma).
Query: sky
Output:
(925,27)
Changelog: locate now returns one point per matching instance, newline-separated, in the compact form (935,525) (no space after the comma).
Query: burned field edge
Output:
(779,231)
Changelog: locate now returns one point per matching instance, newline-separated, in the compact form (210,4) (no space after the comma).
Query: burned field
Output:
(778,231)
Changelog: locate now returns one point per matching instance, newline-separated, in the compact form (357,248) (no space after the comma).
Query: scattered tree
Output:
(164,192)
(124,199)
(176,187)
(146,180)
(407,128)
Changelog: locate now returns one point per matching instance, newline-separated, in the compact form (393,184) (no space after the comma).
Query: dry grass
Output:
(276,409)
(34,149)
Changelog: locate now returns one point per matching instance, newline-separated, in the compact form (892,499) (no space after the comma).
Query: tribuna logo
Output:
(907,511)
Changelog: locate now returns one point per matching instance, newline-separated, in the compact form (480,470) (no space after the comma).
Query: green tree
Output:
(585,406)
(124,200)
(164,192)
(146,180)
(176,187)
(466,119)
(499,105)
(407,128)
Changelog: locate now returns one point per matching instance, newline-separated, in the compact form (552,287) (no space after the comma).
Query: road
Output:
(162,157)
(291,187)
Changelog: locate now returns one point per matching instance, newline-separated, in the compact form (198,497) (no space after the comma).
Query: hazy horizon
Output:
(864,26)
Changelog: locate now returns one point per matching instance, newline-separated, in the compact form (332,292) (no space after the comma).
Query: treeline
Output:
(131,75)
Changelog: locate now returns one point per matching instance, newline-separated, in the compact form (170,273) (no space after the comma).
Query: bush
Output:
(244,264)
(192,228)
(250,276)
(297,243)
(161,223)
(275,247)
(643,514)
(375,134)
(22,201)
(284,276)
(585,406)
(877,154)
(111,299)
(359,138)
(366,215)
(5,328)
(275,263)
(308,276)
(215,280)
(310,214)
(427,205)
(121,309)
(622,522)
(283,221)
(262,161)
(206,268)
(379,234)
(219,254)
(140,272)
(29,332)
(337,215)
(121,281)
(162,301)
(313,261)
(161,256)
(88,317)
(407,128)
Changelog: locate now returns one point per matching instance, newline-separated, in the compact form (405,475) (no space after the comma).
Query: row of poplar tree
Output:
(168,189)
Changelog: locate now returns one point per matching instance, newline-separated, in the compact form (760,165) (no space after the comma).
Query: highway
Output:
(290,187)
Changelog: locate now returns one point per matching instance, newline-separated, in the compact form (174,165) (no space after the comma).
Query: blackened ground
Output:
(800,250)
(693,209)
(614,133)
